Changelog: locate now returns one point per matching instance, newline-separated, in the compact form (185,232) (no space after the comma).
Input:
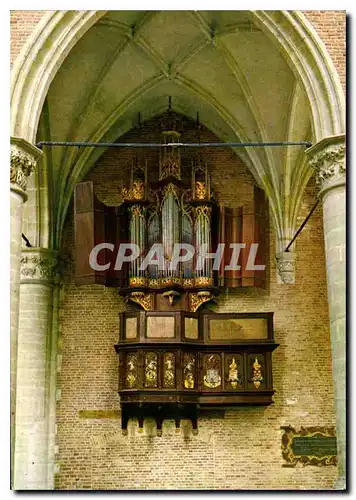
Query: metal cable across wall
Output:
(40,144)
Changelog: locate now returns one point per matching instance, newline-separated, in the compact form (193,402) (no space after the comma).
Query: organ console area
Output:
(177,357)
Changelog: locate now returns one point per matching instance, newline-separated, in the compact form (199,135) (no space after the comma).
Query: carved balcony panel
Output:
(173,364)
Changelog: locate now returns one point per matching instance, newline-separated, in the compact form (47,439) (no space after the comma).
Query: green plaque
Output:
(309,446)
(318,445)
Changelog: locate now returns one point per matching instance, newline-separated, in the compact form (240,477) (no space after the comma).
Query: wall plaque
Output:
(309,446)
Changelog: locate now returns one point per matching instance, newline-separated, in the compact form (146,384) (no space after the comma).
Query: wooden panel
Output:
(238,328)
(234,376)
(212,372)
(89,231)
(131,328)
(233,234)
(191,328)
(256,371)
(160,327)
(261,235)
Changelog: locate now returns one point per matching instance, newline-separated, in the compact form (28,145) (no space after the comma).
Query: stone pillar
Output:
(34,414)
(23,159)
(327,157)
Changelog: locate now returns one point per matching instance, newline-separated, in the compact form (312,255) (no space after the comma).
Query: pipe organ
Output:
(177,356)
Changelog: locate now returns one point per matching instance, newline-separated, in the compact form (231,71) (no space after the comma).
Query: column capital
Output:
(328,159)
(23,160)
(285,262)
(40,265)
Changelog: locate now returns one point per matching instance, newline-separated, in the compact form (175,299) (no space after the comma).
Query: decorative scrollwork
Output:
(188,282)
(151,369)
(204,281)
(136,192)
(169,378)
(197,299)
(323,457)
(256,373)
(170,166)
(203,211)
(201,191)
(142,299)
(136,281)
(212,377)
(131,370)
(233,374)
(189,371)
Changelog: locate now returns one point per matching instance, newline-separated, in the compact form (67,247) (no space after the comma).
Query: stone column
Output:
(327,157)
(23,159)
(34,414)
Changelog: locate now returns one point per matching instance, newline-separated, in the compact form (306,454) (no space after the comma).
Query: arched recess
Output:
(290,32)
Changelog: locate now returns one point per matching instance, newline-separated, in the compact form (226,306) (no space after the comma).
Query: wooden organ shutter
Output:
(247,224)
(89,232)
(119,234)
(230,232)
(261,235)
(95,223)
(254,227)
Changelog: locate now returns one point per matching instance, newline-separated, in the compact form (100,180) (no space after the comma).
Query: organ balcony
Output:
(176,364)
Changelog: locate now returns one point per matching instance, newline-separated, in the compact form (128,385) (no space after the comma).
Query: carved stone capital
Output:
(40,265)
(23,160)
(328,159)
(286,267)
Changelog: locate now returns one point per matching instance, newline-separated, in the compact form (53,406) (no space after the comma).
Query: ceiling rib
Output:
(99,82)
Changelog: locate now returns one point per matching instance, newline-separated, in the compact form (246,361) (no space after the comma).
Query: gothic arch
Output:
(290,32)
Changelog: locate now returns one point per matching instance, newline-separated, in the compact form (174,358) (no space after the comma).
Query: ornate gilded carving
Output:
(137,210)
(203,211)
(170,189)
(153,283)
(203,281)
(145,300)
(169,379)
(330,163)
(286,267)
(22,164)
(170,164)
(197,299)
(322,452)
(169,280)
(131,370)
(136,192)
(188,282)
(189,370)
(151,369)
(233,374)
(136,281)
(201,192)
(171,295)
(212,377)
(256,373)
(40,266)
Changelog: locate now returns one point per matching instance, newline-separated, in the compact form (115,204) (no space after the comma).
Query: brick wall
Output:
(241,450)
(331,27)
(22,24)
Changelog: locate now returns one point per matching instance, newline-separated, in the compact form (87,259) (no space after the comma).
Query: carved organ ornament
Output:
(172,363)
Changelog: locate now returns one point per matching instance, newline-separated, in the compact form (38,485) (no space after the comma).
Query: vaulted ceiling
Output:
(218,63)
